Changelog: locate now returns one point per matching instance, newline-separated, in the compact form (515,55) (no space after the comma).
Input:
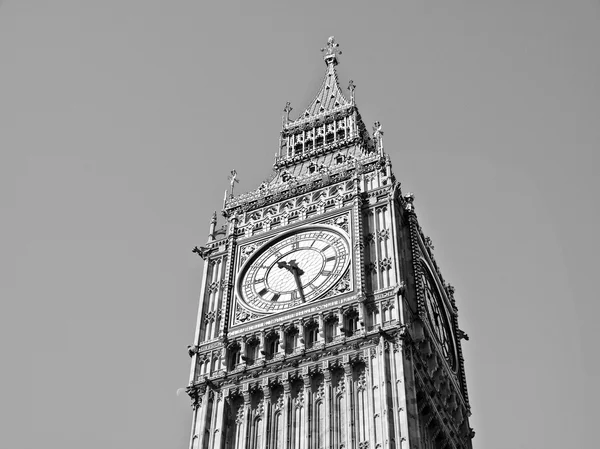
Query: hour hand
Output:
(292,263)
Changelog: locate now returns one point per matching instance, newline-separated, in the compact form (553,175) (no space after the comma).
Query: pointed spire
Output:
(330,96)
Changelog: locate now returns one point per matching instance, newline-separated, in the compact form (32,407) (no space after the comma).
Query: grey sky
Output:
(120,120)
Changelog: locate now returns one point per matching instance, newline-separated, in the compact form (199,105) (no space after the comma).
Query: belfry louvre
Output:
(324,321)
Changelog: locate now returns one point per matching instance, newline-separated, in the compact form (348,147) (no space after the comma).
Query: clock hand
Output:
(296,271)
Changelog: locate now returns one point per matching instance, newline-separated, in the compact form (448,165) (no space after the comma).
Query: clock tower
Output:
(324,321)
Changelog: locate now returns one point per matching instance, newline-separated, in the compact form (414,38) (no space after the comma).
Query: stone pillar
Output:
(246,422)
(328,423)
(372,381)
(350,406)
(219,414)
(301,336)
(286,409)
(281,340)
(340,323)
(261,345)
(306,418)
(385,400)
(321,328)
(267,413)
(203,398)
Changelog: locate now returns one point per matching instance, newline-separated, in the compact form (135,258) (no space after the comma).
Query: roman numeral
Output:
(263,291)
(330,258)
(275,297)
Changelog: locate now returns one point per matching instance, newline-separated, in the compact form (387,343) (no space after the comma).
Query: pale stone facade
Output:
(324,321)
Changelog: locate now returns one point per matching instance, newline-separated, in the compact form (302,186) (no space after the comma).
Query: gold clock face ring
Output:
(294,268)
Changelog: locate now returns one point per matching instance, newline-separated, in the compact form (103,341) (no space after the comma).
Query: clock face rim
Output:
(268,244)
(451,355)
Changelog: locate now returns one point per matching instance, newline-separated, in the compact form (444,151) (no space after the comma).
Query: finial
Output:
(232,180)
(351,87)
(378,136)
(214,217)
(288,108)
(331,51)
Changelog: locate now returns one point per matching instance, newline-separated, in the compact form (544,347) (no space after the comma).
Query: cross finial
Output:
(233,180)
(331,51)
(351,87)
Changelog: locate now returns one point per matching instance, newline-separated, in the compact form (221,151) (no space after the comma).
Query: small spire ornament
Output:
(232,181)
(288,108)
(351,87)
(331,51)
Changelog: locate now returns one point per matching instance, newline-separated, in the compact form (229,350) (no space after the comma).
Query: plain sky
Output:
(120,120)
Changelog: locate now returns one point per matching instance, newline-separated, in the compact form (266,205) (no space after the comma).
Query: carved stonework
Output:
(247,251)
(342,286)
(242,315)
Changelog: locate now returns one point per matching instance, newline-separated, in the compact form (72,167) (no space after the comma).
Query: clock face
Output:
(293,269)
(437,317)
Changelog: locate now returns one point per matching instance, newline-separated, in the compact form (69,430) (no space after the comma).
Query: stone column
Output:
(385,400)
(245,424)
(286,409)
(219,414)
(261,344)
(350,406)
(267,413)
(340,323)
(328,423)
(203,398)
(301,336)
(306,418)
(281,340)
(321,332)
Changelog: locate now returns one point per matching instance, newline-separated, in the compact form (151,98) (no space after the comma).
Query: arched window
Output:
(234,356)
(251,351)
(312,335)
(330,329)
(351,323)
(291,340)
(272,346)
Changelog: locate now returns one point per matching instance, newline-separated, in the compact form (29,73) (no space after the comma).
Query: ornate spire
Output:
(329,98)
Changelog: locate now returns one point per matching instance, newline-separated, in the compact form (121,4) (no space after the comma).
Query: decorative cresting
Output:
(330,121)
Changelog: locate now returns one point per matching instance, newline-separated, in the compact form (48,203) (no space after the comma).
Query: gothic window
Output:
(312,335)
(272,346)
(258,427)
(308,145)
(234,356)
(351,323)
(341,133)
(312,168)
(339,159)
(330,329)
(319,141)
(251,351)
(329,138)
(298,148)
(291,340)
